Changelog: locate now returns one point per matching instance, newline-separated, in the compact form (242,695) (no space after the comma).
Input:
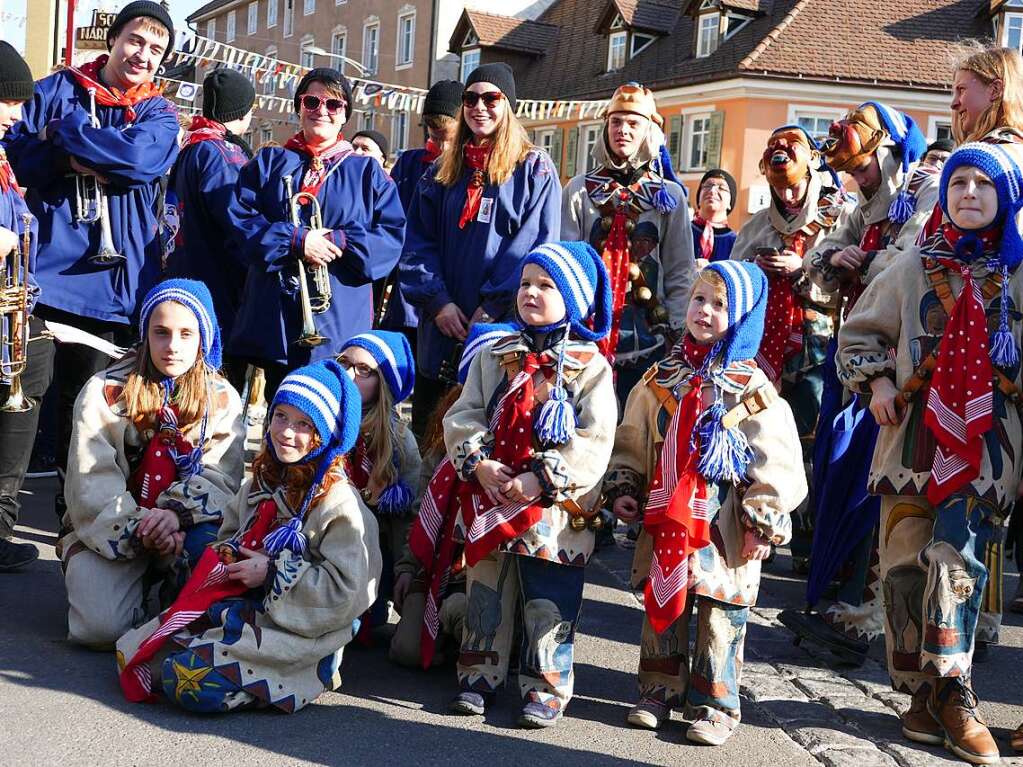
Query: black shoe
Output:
(14,556)
(812,627)
(981,652)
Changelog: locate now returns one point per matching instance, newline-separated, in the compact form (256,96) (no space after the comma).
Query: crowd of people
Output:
(841,374)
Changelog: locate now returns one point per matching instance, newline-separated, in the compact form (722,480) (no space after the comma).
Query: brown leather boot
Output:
(954,706)
(917,723)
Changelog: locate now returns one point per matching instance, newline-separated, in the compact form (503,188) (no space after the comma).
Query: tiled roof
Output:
(506,32)
(204,9)
(648,14)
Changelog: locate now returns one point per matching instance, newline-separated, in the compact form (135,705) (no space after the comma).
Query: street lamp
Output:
(317,51)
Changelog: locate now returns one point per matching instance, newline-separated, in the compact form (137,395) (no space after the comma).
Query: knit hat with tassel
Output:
(481,335)
(326,394)
(911,144)
(582,279)
(1002,164)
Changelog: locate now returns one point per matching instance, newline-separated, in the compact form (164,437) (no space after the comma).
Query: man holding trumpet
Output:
(91,149)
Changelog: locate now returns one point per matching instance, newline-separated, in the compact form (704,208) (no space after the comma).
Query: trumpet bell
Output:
(16,401)
(311,340)
(107,256)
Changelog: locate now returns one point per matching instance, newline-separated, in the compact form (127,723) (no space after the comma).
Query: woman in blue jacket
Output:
(360,240)
(492,198)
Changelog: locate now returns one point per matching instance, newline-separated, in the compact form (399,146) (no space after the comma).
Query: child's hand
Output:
(492,476)
(626,508)
(884,404)
(401,586)
(524,488)
(755,546)
(250,571)
(156,527)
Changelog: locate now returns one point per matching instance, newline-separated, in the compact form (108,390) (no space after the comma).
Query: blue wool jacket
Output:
(203,179)
(406,174)
(132,157)
(360,205)
(723,242)
(478,265)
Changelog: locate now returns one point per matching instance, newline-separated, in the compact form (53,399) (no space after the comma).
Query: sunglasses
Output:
(490,98)
(312,104)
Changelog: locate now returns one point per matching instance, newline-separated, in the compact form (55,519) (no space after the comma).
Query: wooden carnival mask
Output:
(853,140)
(788,159)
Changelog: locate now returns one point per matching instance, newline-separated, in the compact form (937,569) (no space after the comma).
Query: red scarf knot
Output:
(477,159)
(204,129)
(706,237)
(87,76)
(433,151)
(322,159)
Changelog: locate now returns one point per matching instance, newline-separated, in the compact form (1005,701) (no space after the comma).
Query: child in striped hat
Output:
(946,463)
(268,610)
(155,458)
(530,436)
(711,454)
(384,464)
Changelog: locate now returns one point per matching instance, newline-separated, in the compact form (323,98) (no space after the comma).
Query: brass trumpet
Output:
(92,205)
(320,302)
(14,320)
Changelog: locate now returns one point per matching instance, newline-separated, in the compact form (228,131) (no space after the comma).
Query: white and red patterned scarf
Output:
(783,323)
(706,237)
(323,159)
(204,129)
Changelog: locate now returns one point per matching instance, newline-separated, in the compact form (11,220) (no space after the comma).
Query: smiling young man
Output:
(56,146)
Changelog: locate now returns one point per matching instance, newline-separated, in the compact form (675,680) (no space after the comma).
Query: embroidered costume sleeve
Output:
(637,444)
(467,432)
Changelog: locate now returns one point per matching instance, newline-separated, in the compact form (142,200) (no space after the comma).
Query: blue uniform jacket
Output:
(203,180)
(133,157)
(360,205)
(406,173)
(478,265)
(723,242)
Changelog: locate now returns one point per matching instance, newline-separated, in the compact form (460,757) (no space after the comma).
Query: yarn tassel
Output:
(902,207)
(725,453)
(556,423)
(1004,352)
(395,499)
(288,536)
(663,200)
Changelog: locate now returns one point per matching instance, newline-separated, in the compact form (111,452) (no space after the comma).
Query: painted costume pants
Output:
(934,573)
(107,597)
(549,596)
(713,682)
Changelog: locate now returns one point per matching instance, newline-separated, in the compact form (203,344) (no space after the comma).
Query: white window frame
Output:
(706,45)
(369,118)
(342,34)
(938,121)
(645,41)
(266,133)
(252,22)
(270,80)
(340,2)
(589,135)
(463,61)
(545,139)
(307,41)
(211,29)
(734,22)
(1007,22)
(371,58)
(271,13)
(399,61)
(232,26)
(617,42)
(814,112)
(308,7)
(399,132)
(289,18)
(688,137)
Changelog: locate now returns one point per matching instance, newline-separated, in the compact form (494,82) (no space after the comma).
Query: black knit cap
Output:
(329,77)
(227,95)
(444,98)
(377,138)
(16,83)
(499,74)
(942,145)
(137,10)
(719,173)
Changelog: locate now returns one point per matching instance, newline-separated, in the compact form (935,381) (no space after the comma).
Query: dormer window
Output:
(617,42)
(624,42)
(708,33)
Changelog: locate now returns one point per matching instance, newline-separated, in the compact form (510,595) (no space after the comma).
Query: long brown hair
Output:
(377,430)
(295,478)
(433,437)
(510,143)
(143,391)
(989,65)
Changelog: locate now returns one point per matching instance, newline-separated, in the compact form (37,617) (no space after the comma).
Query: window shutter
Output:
(556,150)
(675,140)
(572,141)
(714,134)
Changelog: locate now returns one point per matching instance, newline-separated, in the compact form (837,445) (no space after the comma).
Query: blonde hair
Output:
(295,478)
(510,144)
(143,391)
(377,429)
(714,280)
(989,65)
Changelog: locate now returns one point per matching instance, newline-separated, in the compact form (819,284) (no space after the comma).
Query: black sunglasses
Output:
(312,104)
(490,98)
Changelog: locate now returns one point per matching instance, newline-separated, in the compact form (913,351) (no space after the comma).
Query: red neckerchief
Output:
(433,150)
(477,158)
(676,515)
(87,76)
(359,465)
(488,525)
(616,257)
(157,470)
(321,159)
(706,238)
(783,323)
(8,181)
(204,129)
(208,584)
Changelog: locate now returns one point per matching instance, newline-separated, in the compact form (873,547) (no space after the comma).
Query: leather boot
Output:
(917,723)
(954,706)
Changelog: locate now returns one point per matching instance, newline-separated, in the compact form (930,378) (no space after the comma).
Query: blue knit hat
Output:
(480,336)
(194,296)
(394,358)
(330,399)
(912,146)
(997,162)
(814,144)
(746,287)
(582,280)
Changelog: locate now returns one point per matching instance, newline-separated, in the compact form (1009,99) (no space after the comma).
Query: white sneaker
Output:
(710,730)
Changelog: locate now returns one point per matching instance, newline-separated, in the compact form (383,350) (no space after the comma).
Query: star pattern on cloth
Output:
(189,680)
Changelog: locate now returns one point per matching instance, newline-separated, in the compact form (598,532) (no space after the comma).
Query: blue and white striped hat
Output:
(394,359)
(746,287)
(194,296)
(480,336)
(583,282)
(912,146)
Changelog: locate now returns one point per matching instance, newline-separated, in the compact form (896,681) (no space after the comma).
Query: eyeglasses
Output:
(361,369)
(312,104)
(470,99)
